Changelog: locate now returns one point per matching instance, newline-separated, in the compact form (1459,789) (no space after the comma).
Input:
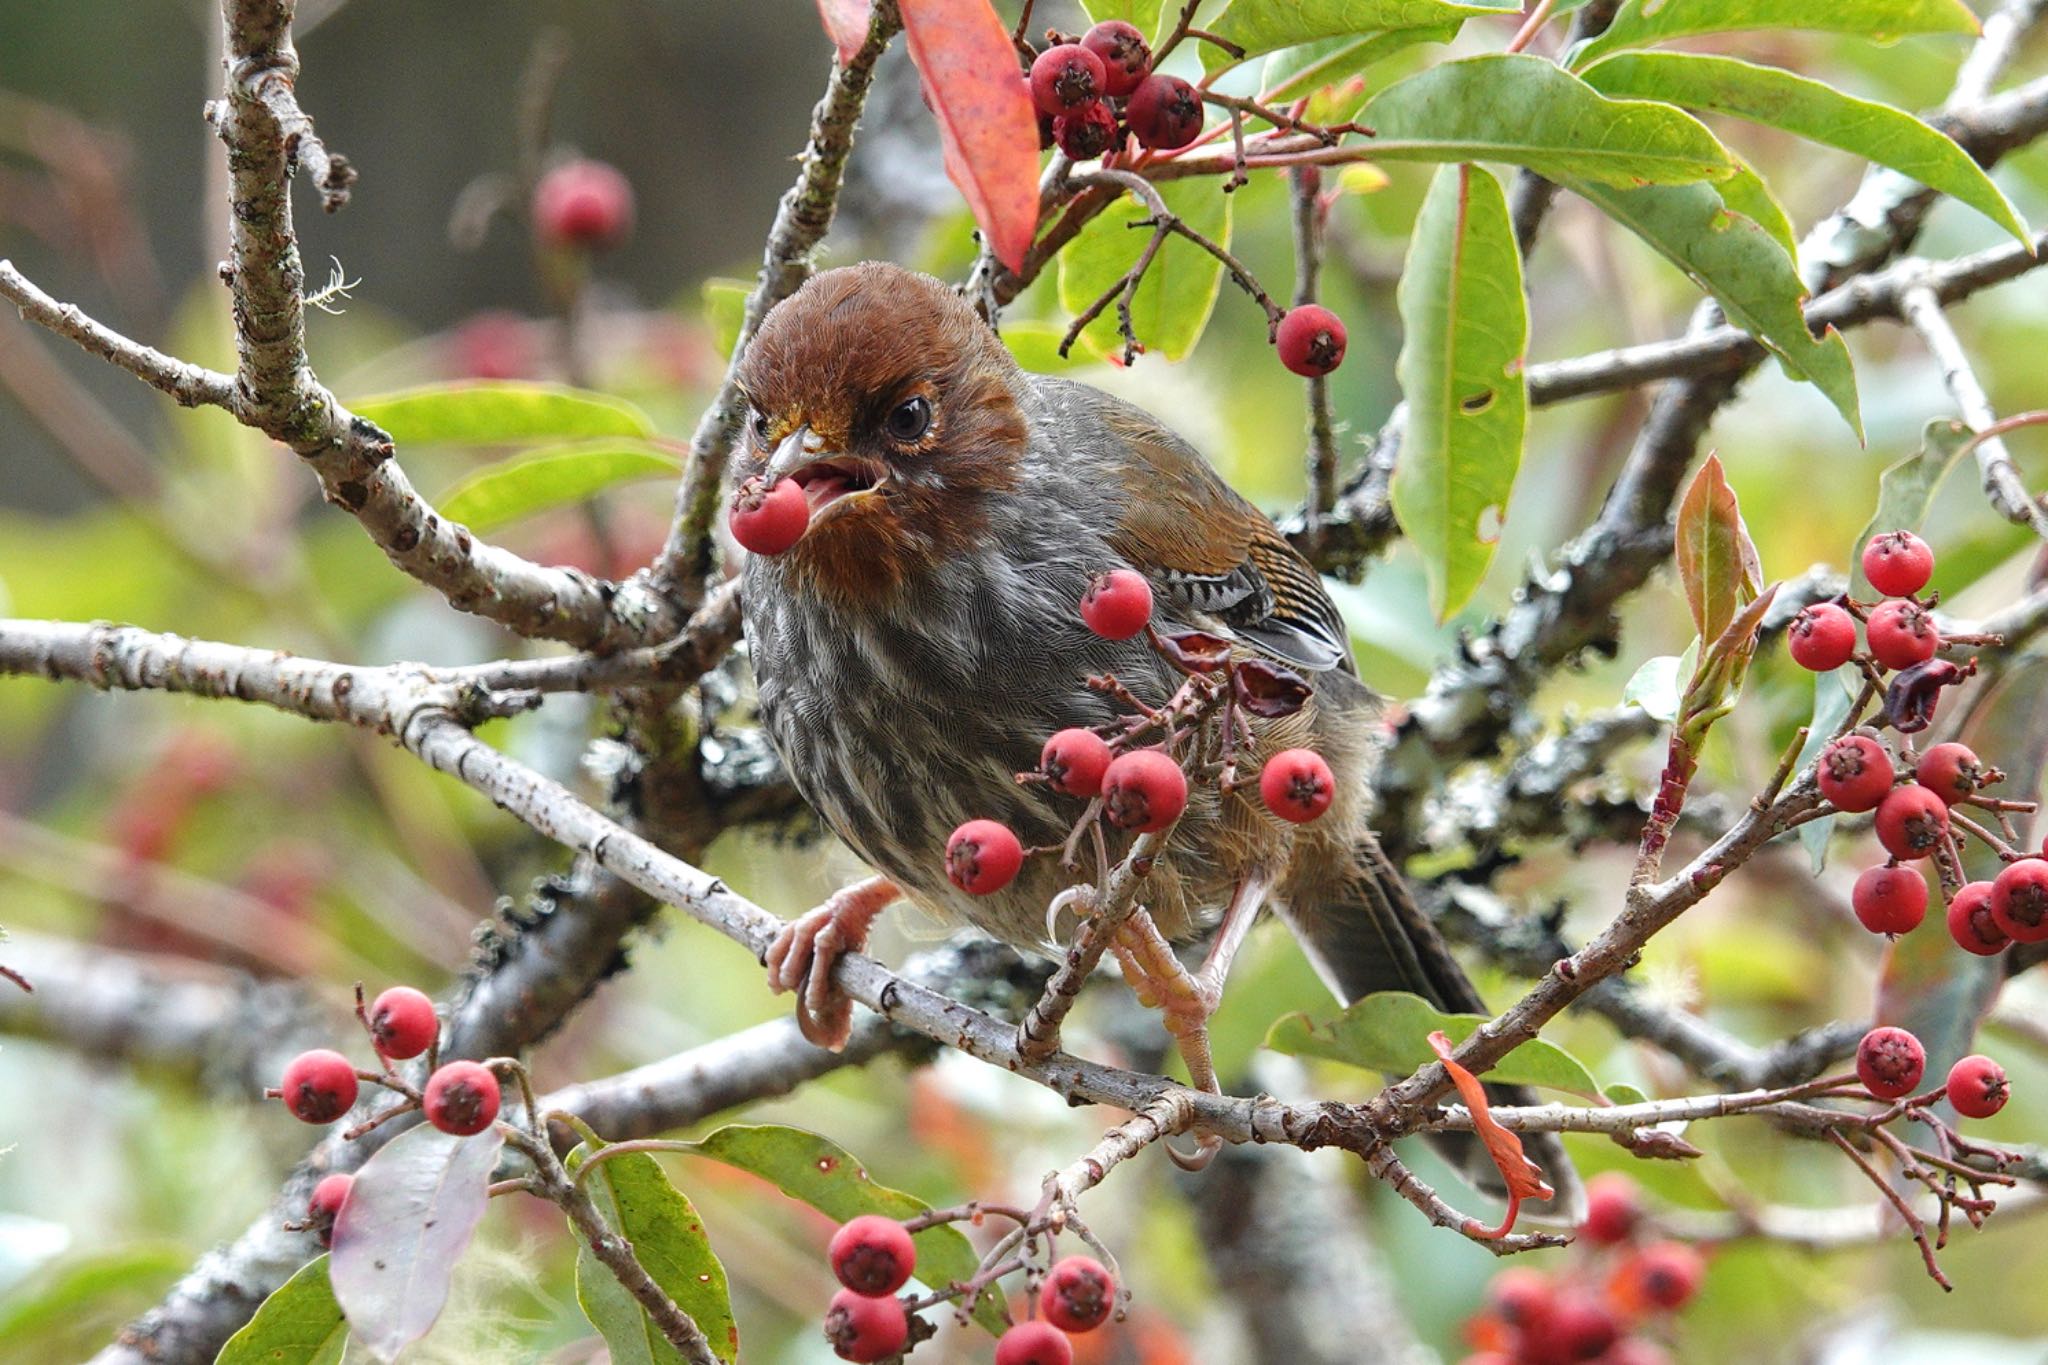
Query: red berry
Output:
(1901,634)
(1085,131)
(1614,1208)
(1664,1275)
(1580,1327)
(1977,1087)
(1078,1294)
(1520,1296)
(1971,923)
(1126,60)
(583,204)
(1822,637)
(1311,340)
(1074,761)
(1890,1062)
(1911,821)
(1950,771)
(402,1022)
(2019,901)
(1890,899)
(319,1086)
(861,1328)
(1034,1343)
(462,1098)
(767,521)
(1897,563)
(1117,604)
(328,1197)
(1066,77)
(873,1255)
(1165,113)
(1144,790)
(982,857)
(1855,773)
(1296,784)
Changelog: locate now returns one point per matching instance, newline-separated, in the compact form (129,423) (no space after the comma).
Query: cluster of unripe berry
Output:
(321,1085)
(1891,1062)
(1622,1282)
(1141,790)
(874,1257)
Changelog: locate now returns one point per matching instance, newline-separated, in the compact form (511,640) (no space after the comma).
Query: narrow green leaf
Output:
(1779,99)
(1747,194)
(1173,304)
(487,412)
(1142,15)
(299,1324)
(825,1175)
(1905,490)
(1717,560)
(1466,331)
(536,480)
(668,1238)
(1267,25)
(1524,110)
(1387,1031)
(1640,23)
(1746,270)
(725,312)
(1295,71)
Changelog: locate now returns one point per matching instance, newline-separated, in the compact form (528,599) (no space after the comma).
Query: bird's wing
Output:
(1207,550)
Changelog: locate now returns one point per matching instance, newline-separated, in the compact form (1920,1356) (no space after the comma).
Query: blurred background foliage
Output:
(326,856)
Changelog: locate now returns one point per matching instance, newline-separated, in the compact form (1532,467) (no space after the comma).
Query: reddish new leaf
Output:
(846,24)
(986,124)
(1716,558)
(1523,1177)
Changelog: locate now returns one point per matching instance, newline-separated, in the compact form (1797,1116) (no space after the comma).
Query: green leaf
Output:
(1747,194)
(1654,686)
(1809,109)
(536,480)
(1173,304)
(1905,490)
(1036,347)
(1620,1093)
(1466,333)
(1295,71)
(74,1287)
(668,1238)
(1524,110)
(1833,694)
(483,412)
(725,312)
(1640,23)
(299,1324)
(1723,667)
(1142,15)
(1387,1031)
(824,1175)
(1267,25)
(1748,272)
(1717,560)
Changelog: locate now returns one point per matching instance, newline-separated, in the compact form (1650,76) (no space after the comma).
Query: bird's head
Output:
(895,408)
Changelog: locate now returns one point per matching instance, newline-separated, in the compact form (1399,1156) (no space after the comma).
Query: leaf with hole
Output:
(1465,335)
(491,413)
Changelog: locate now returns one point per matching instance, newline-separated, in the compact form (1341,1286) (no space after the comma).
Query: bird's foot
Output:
(1186,1001)
(803,954)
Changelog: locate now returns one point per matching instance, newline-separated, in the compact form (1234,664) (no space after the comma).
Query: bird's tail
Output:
(1365,933)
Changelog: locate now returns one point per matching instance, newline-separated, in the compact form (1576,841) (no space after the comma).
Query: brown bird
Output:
(916,647)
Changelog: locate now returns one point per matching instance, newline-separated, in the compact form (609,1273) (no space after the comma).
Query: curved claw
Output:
(1206,1148)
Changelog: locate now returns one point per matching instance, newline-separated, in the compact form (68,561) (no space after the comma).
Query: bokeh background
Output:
(317,857)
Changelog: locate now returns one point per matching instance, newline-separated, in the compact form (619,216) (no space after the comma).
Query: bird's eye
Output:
(910,419)
(761,428)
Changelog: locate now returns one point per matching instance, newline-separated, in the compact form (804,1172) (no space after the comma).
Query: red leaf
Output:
(1523,1177)
(986,124)
(846,24)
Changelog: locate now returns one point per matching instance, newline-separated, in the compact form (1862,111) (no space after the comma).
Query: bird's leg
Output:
(1185,999)
(802,956)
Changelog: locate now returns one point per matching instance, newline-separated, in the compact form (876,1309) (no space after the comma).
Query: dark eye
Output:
(910,419)
(761,428)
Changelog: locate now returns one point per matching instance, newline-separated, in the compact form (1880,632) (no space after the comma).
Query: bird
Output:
(915,647)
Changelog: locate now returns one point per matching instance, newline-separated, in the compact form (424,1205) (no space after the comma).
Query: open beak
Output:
(827,477)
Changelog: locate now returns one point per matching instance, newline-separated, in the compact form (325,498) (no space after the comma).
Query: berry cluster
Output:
(1620,1287)
(1135,772)
(1092,90)
(1891,1063)
(321,1085)
(873,1257)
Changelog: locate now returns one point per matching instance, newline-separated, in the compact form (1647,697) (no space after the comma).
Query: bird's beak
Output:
(827,477)
(799,448)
